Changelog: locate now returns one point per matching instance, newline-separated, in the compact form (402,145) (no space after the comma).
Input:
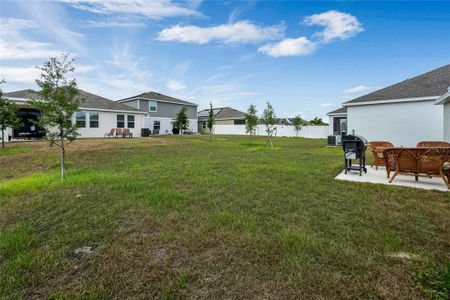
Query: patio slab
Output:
(379,176)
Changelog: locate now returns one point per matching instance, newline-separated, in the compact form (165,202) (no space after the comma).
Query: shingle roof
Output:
(222,113)
(158,96)
(342,110)
(91,101)
(430,84)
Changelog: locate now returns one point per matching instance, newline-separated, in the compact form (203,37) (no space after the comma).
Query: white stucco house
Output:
(405,113)
(96,116)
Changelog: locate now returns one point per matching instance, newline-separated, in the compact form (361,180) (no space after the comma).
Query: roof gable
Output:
(222,113)
(431,84)
(157,96)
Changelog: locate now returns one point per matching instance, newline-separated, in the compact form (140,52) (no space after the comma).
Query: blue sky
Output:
(305,57)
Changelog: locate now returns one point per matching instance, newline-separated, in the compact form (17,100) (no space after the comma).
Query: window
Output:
(93,119)
(80,119)
(339,125)
(130,121)
(239,122)
(204,125)
(156,125)
(152,106)
(120,121)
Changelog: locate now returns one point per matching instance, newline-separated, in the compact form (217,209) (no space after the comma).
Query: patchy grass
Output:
(11,150)
(220,217)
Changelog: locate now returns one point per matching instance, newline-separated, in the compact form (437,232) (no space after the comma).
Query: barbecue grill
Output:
(354,149)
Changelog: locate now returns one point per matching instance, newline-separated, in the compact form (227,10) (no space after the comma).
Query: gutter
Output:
(401,100)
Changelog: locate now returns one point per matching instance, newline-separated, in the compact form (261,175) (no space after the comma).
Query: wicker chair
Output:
(377,148)
(433,144)
(418,162)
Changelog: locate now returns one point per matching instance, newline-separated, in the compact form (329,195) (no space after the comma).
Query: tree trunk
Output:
(3,138)
(63,153)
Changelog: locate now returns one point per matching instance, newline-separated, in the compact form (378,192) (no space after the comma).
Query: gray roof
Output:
(91,101)
(431,84)
(342,110)
(158,96)
(222,113)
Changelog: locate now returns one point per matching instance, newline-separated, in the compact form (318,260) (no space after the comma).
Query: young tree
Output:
(181,121)
(268,119)
(251,120)
(8,117)
(297,122)
(60,99)
(210,121)
(317,122)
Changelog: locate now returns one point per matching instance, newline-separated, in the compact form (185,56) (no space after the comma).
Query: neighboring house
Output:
(405,113)
(222,116)
(96,115)
(161,111)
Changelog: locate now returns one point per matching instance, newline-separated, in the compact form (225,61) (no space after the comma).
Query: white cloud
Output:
(52,19)
(14,45)
(337,25)
(289,47)
(113,24)
(327,105)
(242,32)
(151,9)
(360,89)
(29,74)
(175,85)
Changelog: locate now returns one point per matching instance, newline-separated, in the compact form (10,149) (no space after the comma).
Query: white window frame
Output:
(83,113)
(129,121)
(150,106)
(98,119)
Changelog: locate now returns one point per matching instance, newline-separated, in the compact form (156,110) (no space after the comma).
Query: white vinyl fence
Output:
(313,132)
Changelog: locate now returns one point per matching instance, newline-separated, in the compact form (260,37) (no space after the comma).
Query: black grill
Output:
(354,149)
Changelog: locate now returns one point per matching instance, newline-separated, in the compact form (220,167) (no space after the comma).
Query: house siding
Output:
(167,110)
(107,121)
(446,122)
(403,124)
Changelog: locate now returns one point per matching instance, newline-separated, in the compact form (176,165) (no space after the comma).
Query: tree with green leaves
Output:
(8,116)
(58,103)
(251,120)
(268,119)
(297,122)
(317,122)
(181,121)
(210,122)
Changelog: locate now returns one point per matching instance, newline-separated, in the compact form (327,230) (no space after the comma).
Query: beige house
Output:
(222,116)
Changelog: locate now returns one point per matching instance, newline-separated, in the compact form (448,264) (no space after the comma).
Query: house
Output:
(96,115)
(161,111)
(413,110)
(222,116)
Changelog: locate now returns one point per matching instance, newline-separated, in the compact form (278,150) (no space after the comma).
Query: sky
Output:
(304,57)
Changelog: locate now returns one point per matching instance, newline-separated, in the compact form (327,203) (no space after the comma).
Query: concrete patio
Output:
(379,176)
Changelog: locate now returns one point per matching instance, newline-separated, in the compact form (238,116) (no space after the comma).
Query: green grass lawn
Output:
(190,217)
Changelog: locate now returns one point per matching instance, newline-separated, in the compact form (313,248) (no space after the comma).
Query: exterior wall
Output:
(218,122)
(164,109)
(107,121)
(446,121)
(314,132)
(403,124)
(166,124)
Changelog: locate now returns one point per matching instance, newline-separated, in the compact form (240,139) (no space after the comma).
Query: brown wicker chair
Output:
(377,148)
(110,134)
(127,133)
(119,132)
(418,162)
(433,144)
